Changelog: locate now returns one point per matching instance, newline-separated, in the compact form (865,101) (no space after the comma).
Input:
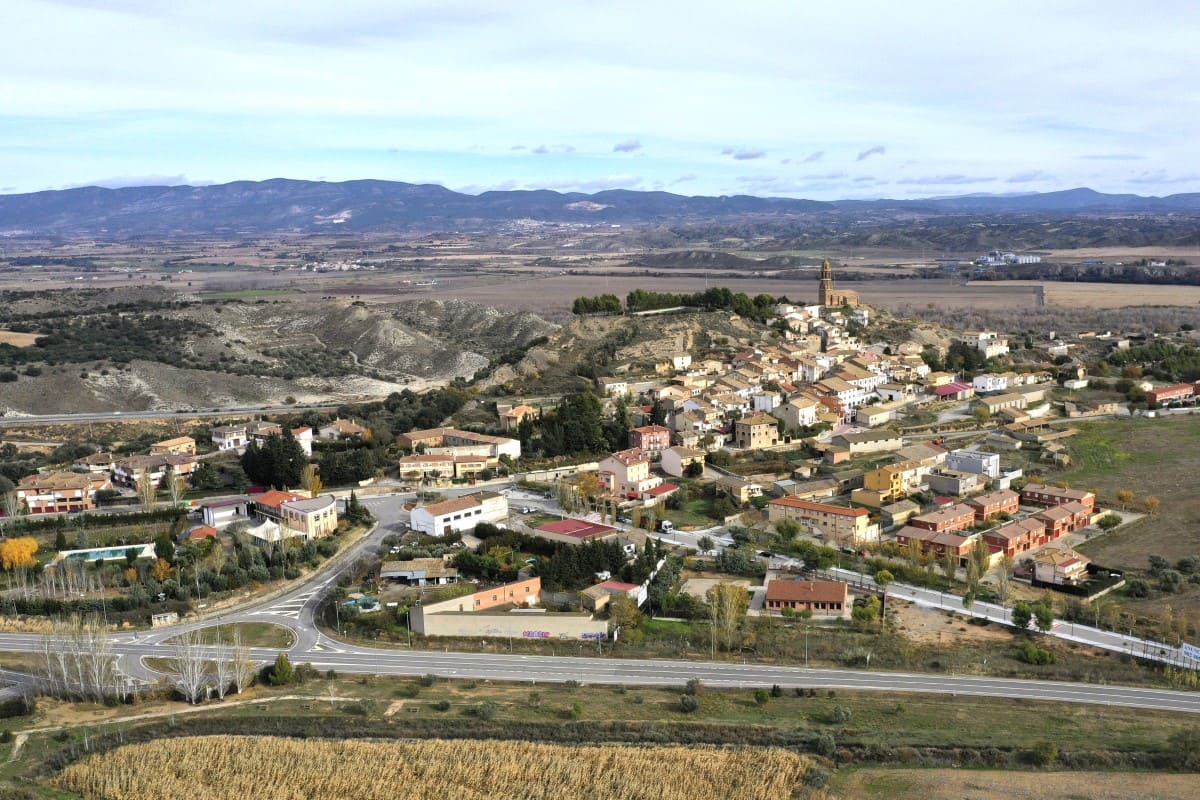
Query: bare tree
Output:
(189,669)
(1002,578)
(78,662)
(12,505)
(147,491)
(176,486)
(727,604)
(241,663)
(223,671)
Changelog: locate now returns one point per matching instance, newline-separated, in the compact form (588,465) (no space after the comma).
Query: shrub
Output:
(1032,654)
(575,712)
(486,711)
(825,745)
(1137,588)
(839,715)
(761,696)
(1042,754)
(776,691)
(441,705)
(688,703)
(693,687)
(427,680)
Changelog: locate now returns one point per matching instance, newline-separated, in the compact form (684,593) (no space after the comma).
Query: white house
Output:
(975,461)
(991,382)
(230,437)
(459,514)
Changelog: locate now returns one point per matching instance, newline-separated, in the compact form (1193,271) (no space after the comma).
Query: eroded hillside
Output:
(158,351)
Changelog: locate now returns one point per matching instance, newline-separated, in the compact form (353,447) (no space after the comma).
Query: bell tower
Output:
(825,292)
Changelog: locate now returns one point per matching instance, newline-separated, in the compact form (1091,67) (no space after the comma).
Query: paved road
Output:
(1084,634)
(295,607)
(122,416)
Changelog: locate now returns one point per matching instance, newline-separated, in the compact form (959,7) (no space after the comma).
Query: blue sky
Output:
(802,99)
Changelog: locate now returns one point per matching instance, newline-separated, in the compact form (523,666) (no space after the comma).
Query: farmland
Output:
(947,784)
(274,768)
(1147,457)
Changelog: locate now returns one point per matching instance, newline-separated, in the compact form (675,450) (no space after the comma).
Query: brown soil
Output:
(953,784)
(932,626)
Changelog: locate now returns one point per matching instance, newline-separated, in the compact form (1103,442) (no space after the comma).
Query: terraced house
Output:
(60,492)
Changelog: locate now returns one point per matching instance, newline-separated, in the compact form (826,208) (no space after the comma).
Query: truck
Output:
(666,526)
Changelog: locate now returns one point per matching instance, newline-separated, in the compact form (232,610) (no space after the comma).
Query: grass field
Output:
(1159,457)
(270,768)
(957,784)
(250,294)
(254,634)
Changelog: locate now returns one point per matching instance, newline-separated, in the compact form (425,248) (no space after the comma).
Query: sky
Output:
(854,99)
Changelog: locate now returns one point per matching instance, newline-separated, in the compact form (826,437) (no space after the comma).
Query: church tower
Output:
(825,293)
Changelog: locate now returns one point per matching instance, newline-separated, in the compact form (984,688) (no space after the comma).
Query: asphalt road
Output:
(123,416)
(295,607)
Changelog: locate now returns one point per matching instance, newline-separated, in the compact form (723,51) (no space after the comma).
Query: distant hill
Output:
(280,205)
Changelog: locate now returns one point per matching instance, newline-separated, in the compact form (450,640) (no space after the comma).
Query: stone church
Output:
(826,296)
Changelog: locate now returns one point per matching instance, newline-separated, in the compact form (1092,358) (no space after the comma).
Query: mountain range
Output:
(362,206)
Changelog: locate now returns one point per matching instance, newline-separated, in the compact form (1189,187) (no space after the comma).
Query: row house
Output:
(1045,495)
(1016,537)
(937,543)
(60,492)
(1063,519)
(129,471)
(837,523)
(993,504)
(946,520)
(449,439)
(1166,394)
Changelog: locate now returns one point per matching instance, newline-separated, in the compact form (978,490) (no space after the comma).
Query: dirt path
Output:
(20,739)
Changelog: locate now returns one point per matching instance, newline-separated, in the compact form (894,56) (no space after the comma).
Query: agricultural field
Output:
(1109,295)
(271,768)
(1149,457)
(956,784)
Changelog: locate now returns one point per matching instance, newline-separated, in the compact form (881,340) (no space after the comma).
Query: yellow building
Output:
(755,431)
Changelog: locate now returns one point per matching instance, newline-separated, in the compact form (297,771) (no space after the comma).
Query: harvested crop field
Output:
(1073,294)
(18,339)
(956,784)
(271,768)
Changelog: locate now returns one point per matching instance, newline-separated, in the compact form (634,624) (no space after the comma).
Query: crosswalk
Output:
(290,606)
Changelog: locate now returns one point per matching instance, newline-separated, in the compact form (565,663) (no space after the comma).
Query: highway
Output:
(125,416)
(294,608)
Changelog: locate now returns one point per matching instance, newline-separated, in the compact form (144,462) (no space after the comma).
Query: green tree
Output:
(1043,612)
(282,672)
(1022,613)
(705,543)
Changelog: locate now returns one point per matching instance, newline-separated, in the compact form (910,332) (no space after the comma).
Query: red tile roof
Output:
(808,591)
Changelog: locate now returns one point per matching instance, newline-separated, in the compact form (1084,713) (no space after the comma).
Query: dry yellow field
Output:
(269,768)
(18,339)
(1110,295)
(961,784)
